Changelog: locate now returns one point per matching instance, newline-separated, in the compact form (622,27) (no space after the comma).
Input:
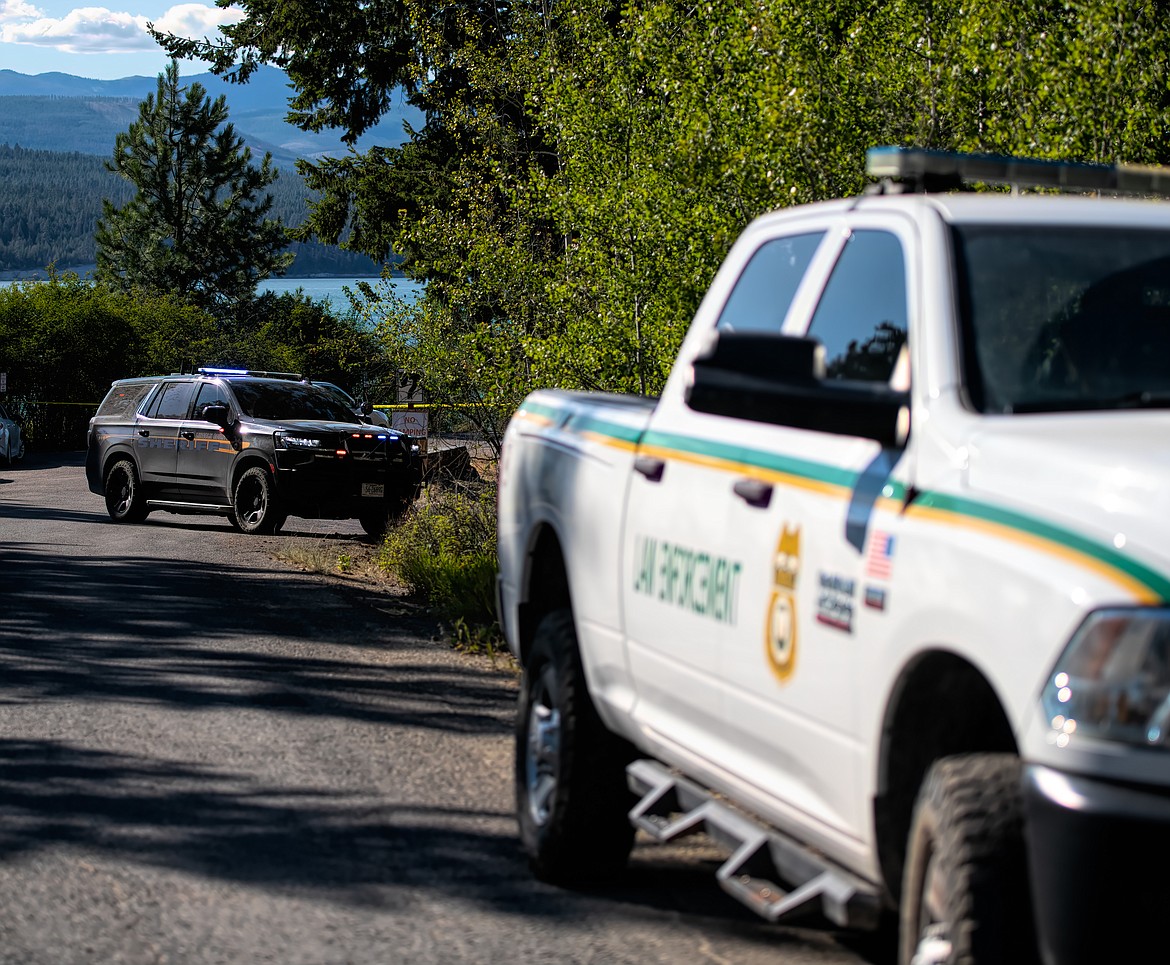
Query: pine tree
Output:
(198,227)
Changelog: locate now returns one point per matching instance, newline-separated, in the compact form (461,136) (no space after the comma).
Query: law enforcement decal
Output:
(835,602)
(875,598)
(780,633)
(693,580)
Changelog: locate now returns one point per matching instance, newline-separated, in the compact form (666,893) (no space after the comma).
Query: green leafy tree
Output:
(198,226)
(585,167)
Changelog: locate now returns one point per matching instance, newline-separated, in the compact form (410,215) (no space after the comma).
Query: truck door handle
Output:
(650,467)
(188,435)
(144,432)
(753,492)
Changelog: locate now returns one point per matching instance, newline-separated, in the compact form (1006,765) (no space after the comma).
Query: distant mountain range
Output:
(61,112)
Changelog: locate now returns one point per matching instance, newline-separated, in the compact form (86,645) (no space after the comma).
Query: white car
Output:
(365,411)
(11,441)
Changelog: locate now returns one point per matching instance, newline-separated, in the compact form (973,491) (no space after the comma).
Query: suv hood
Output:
(307,425)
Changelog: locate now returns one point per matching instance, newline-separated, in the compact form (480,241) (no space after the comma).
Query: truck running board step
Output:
(670,807)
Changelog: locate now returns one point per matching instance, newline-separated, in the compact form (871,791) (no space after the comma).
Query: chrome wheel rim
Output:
(543,753)
(251,502)
(934,946)
(124,487)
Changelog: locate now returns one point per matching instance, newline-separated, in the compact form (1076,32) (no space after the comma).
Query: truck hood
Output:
(1105,476)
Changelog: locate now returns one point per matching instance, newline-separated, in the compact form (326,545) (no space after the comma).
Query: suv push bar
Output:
(920,170)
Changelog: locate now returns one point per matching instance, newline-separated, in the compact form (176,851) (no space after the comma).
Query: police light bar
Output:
(918,169)
(208,370)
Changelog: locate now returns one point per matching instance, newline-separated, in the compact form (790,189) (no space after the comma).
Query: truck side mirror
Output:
(780,379)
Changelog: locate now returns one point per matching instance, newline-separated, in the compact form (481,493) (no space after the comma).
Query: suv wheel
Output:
(125,501)
(255,504)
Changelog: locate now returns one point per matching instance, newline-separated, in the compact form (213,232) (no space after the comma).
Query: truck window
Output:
(767,285)
(861,318)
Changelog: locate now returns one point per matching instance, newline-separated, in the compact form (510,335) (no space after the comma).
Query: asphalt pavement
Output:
(210,756)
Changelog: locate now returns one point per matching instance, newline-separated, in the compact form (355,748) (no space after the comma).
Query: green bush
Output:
(445,551)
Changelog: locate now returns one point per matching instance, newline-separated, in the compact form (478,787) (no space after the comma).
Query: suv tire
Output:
(254,503)
(571,794)
(125,501)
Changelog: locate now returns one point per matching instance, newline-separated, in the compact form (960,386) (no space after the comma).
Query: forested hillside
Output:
(50,203)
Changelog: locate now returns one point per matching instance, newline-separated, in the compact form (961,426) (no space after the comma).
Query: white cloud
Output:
(14,10)
(196,19)
(96,30)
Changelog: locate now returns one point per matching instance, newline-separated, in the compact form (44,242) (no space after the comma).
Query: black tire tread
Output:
(972,805)
(589,836)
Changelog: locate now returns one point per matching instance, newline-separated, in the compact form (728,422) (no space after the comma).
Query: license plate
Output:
(373,489)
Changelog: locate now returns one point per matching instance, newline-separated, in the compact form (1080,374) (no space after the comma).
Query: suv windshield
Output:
(289,402)
(1060,317)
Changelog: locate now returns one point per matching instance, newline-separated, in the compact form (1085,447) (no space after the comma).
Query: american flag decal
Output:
(879,560)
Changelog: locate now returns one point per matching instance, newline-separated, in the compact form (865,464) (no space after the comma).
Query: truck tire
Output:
(572,801)
(254,503)
(965,896)
(125,501)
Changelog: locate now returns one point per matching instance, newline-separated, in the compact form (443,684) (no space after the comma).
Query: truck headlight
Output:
(1112,683)
(298,442)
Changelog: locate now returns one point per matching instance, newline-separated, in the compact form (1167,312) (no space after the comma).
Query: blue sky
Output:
(100,42)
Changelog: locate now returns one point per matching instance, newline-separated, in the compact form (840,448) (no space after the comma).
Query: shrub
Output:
(445,550)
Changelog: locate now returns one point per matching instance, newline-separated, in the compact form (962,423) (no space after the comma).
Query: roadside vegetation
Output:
(444,550)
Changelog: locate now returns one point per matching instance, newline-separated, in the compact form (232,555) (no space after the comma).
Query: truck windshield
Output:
(289,402)
(1060,317)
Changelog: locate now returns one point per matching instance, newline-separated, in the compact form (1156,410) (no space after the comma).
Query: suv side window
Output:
(173,401)
(209,393)
(862,317)
(123,400)
(765,289)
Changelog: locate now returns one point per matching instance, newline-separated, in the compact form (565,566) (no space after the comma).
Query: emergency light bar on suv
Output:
(921,170)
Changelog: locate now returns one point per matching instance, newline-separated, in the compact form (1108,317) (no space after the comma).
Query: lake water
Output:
(324,289)
(333,289)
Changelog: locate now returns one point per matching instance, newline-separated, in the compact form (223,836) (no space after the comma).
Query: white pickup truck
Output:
(878,592)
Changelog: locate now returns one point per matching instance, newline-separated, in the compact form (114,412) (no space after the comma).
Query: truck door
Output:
(688,576)
(821,554)
(757,556)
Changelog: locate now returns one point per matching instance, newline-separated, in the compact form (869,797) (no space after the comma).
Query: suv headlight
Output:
(298,442)
(1112,683)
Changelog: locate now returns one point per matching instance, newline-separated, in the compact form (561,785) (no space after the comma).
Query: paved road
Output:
(207,757)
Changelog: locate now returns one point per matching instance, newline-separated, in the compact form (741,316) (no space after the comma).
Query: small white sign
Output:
(409,423)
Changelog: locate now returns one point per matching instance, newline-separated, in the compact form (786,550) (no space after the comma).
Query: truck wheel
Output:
(255,504)
(125,501)
(572,801)
(965,896)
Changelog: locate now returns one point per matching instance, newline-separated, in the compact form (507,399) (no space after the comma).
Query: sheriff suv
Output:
(255,447)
